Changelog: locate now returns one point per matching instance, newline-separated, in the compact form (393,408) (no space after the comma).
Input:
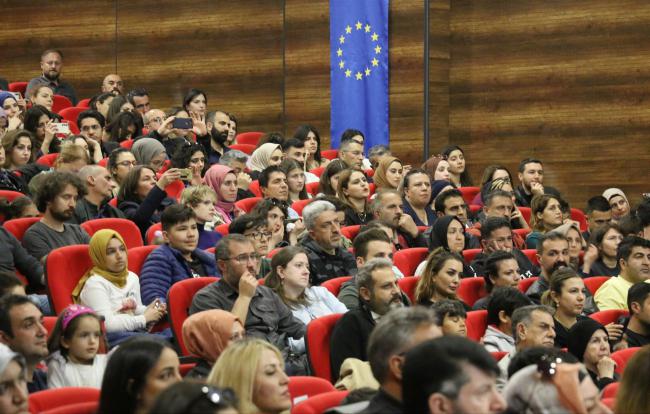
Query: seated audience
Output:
(295,180)
(353,190)
(452,316)
(73,347)
(202,199)
(14,258)
(273,184)
(531,177)
(120,162)
(12,375)
(238,291)
(178,258)
(265,156)
(8,179)
(618,202)
(254,370)
(545,215)
(256,229)
(600,257)
(118,105)
(101,103)
(223,181)
(588,341)
(376,153)
(149,152)
(329,179)
(136,374)
(56,199)
(190,156)
(501,270)
(633,256)
(378,294)
(637,331)
(51,65)
(142,197)
(417,197)
(195,398)
(633,395)
(571,231)
(237,160)
(22,330)
(458,174)
(389,173)
(397,333)
(490,174)
(642,213)
(206,334)
(113,84)
(452,203)
(275,212)
(91,127)
(20,207)
(499,203)
(437,167)
(39,121)
(71,159)
(327,259)
(448,233)
(351,151)
(599,214)
(113,291)
(387,207)
(139,98)
(460,379)
(310,136)
(42,95)
(17,146)
(502,304)
(215,141)
(294,149)
(99,190)
(440,278)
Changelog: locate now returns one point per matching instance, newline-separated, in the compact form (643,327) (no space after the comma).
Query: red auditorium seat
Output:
(126,228)
(595,282)
(407,285)
(84,103)
(318,171)
(469,193)
(320,403)
(610,390)
(621,357)
(18,87)
(89,407)
(350,231)
(531,254)
(175,189)
(334,285)
(254,188)
(312,188)
(407,260)
(249,138)
(49,322)
(137,256)
(127,143)
(470,254)
(525,212)
(471,289)
(498,355)
(476,324)
(58,397)
(103,162)
(179,300)
(10,195)
(60,102)
(317,342)
(222,229)
(522,232)
(608,316)
(579,216)
(303,387)
(330,154)
(19,226)
(47,159)
(248,204)
(299,205)
(245,148)
(524,284)
(151,232)
(72,113)
(63,269)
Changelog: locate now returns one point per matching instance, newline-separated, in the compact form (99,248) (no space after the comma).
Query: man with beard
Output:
(378,293)
(218,124)
(387,207)
(113,84)
(56,199)
(637,332)
(553,253)
(51,64)
(139,98)
(531,176)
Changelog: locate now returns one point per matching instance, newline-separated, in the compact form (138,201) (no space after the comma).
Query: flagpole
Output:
(426,80)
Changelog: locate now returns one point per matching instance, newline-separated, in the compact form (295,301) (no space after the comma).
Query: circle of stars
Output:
(358,75)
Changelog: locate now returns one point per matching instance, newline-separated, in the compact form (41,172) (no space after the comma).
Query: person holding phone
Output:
(14,109)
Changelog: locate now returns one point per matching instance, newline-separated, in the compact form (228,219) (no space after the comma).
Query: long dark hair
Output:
(333,168)
(465,179)
(301,134)
(129,188)
(126,373)
(273,280)
(289,165)
(191,94)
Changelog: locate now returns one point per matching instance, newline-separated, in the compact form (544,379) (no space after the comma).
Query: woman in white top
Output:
(289,278)
(114,292)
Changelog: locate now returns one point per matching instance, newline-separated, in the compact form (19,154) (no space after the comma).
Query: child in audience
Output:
(452,316)
(73,346)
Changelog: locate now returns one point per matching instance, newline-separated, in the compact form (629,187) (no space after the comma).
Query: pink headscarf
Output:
(214,177)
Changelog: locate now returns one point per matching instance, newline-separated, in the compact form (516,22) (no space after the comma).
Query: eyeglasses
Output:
(260,235)
(245,258)
(213,395)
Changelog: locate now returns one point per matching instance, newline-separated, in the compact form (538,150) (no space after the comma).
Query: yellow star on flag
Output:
(367,72)
(359,75)
(341,64)
(367,28)
(339,52)
(374,37)
(358,25)
(378,49)
(342,39)
(348,29)
(348,73)
(375,62)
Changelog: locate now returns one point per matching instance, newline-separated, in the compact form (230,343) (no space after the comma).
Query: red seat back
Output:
(302,388)
(249,138)
(179,300)
(312,188)
(127,229)
(610,390)
(84,103)
(498,355)
(579,216)
(48,323)
(174,189)
(298,205)
(621,357)
(60,102)
(334,285)
(318,171)
(10,195)
(595,282)
(407,260)
(521,232)
(330,154)
(151,232)
(127,143)
(222,229)
(525,212)
(531,254)
(49,399)
(608,316)
(469,193)
(408,284)
(63,269)
(524,284)
(72,113)
(254,188)
(18,87)
(350,231)
(137,256)
(47,159)
(89,407)
(248,204)
(317,342)
(103,162)
(19,226)
(371,189)
(320,403)
(476,324)
(245,148)
(471,289)
(470,254)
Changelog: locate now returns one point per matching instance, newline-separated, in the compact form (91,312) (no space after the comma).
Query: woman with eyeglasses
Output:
(206,334)
(150,152)
(202,199)
(283,233)
(223,180)
(195,398)
(120,162)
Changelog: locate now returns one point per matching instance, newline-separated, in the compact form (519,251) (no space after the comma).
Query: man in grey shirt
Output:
(238,292)
(51,64)
(56,199)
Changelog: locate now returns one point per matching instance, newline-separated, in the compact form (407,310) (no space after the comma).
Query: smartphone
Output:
(291,220)
(61,127)
(186,174)
(182,123)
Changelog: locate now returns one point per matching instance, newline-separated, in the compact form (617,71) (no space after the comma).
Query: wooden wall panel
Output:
(439,63)
(565,81)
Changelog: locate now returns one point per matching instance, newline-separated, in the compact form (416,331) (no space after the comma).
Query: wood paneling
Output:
(563,81)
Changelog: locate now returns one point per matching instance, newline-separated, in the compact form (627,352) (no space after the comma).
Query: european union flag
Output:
(359,69)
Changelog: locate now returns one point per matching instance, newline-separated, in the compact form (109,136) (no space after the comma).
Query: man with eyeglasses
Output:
(239,292)
(327,258)
(139,98)
(255,228)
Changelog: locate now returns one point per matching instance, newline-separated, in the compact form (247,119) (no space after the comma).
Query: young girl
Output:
(73,346)
(295,180)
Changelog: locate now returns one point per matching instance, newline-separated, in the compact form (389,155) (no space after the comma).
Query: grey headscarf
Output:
(145,149)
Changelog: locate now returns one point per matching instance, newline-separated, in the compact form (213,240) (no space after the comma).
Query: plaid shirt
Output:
(324,266)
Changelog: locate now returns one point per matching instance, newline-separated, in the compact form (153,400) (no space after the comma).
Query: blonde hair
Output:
(70,153)
(236,368)
(193,195)
(435,262)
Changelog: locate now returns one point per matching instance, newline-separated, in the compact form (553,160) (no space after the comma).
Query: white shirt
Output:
(65,373)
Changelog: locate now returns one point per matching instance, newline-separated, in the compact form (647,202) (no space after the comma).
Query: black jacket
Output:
(14,257)
(147,212)
(85,210)
(523,200)
(350,338)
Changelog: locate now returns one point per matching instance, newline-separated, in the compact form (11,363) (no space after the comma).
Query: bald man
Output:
(113,84)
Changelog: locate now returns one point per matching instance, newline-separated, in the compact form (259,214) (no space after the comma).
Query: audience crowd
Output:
(223,270)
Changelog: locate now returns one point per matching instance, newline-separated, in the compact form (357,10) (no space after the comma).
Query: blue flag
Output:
(359,69)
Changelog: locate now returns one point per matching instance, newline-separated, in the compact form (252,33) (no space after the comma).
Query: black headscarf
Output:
(438,237)
(580,334)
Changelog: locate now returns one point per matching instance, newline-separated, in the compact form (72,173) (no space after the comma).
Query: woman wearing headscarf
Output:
(448,232)
(266,155)
(114,292)
(206,334)
(13,371)
(618,201)
(388,174)
(589,342)
(149,151)
(223,180)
